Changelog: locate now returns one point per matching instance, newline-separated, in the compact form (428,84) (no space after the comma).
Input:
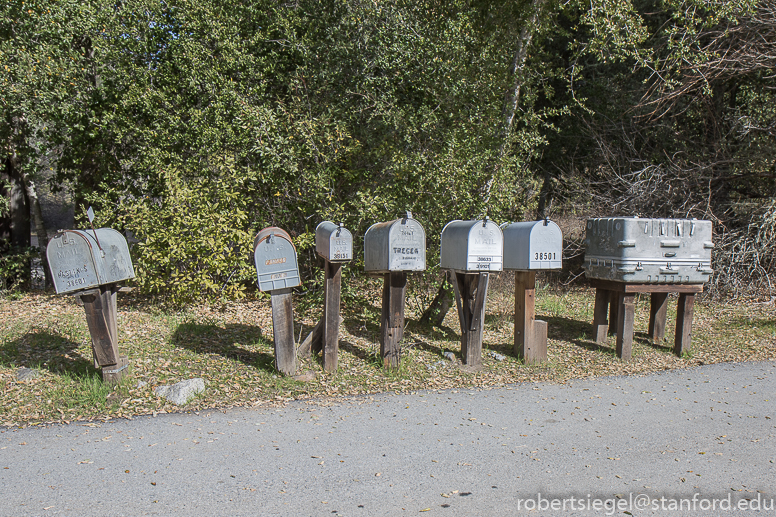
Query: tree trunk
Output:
(40,227)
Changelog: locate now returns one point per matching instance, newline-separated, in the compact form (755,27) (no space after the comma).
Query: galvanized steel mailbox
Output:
(472,246)
(82,259)
(535,245)
(398,245)
(275,258)
(333,242)
(640,250)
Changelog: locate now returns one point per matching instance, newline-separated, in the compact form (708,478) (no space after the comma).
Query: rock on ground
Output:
(181,392)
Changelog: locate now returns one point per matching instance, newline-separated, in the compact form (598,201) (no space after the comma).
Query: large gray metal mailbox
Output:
(333,242)
(472,246)
(398,245)
(641,250)
(393,248)
(629,255)
(275,258)
(82,259)
(89,264)
(533,245)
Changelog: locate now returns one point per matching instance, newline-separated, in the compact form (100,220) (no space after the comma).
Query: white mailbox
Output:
(398,245)
(275,258)
(333,242)
(472,246)
(532,245)
(82,259)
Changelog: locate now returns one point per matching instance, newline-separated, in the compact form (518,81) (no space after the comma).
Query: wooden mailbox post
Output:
(471,250)
(278,272)
(90,265)
(530,247)
(392,249)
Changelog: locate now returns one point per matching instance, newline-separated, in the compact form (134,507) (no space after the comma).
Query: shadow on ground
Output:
(232,341)
(46,350)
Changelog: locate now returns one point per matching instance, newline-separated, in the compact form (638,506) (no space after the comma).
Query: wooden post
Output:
(600,324)
(283,331)
(614,305)
(331,314)
(657,316)
(471,291)
(392,320)
(684,310)
(625,316)
(100,308)
(530,333)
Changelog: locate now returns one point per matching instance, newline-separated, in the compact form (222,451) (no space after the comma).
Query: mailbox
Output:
(82,259)
(398,245)
(275,258)
(333,242)
(472,246)
(532,245)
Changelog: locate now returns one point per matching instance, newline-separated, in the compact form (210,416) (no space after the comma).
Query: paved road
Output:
(709,431)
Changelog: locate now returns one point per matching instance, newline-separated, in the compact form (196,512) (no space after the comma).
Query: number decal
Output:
(545,256)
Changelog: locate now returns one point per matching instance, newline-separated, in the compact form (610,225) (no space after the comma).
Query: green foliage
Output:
(14,263)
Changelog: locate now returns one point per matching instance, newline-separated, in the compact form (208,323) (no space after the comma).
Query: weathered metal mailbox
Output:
(629,255)
(89,265)
(471,250)
(529,247)
(533,245)
(334,243)
(393,248)
(276,268)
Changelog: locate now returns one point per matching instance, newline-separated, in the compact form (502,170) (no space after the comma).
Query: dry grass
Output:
(230,347)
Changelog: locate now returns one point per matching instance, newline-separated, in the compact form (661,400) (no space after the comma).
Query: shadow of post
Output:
(50,351)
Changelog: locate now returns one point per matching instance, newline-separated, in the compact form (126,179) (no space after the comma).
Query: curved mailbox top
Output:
(533,245)
(79,261)
(275,258)
(398,245)
(476,245)
(333,242)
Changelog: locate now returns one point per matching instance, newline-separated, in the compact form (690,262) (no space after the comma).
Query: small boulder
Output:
(182,392)
(26,374)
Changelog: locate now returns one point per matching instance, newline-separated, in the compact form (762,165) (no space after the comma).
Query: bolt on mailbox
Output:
(533,245)
(333,242)
(398,245)
(89,265)
(275,259)
(393,248)
(472,246)
(80,259)
(529,247)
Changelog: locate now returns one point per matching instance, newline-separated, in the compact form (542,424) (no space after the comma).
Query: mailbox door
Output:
(407,246)
(485,249)
(546,246)
(117,263)
(275,259)
(71,262)
(334,243)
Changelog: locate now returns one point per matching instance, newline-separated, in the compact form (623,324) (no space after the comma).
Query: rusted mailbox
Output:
(530,247)
(334,243)
(471,250)
(392,249)
(276,268)
(90,265)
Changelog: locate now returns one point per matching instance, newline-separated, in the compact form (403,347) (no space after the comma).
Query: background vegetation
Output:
(195,124)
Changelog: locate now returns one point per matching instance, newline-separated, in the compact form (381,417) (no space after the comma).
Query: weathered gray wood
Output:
(600,323)
(392,320)
(658,308)
(283,331)
(614,305)
(625,315)
(471,291)
(331,314)
(530,339)
(113,374)
(101,320)
(312,341)
(684,313)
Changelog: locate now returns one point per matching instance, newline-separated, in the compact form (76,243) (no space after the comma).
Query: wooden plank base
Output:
(392,319)
(530,339)
(471,292)
(331,314)
(283,331)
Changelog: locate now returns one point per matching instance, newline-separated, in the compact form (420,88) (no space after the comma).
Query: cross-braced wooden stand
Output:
(530,333)
(392,319)
(100,307)
(325,335)
(618,299)
(283,331)
(471,291)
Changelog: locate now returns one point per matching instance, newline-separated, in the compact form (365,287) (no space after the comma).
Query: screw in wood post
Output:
(392,319)
(331,314)
(283,331)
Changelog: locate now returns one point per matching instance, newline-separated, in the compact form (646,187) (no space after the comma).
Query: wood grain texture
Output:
(658,309)
(331,314)
(625,315)
(283,331)
(392,319)
(600,323)
(684,313)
